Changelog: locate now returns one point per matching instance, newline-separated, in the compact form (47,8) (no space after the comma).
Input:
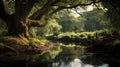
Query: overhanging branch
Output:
(44,10)
(36,23)
(23,8)
(39,13)
(56,1)
(72,6)
(39,23)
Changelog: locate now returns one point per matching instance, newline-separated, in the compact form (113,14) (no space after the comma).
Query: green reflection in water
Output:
(69,53)
(64,53)
(57,54)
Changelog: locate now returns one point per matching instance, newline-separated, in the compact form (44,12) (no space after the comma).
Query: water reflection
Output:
(70,56)
(77,63)
(58,56)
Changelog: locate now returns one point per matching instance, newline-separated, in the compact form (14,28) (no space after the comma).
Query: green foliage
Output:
(69,34)
(37,41)
(89,21)
(92,20)
(9,6)
(95,20)
(68,22)
(55,51)
(33,31)
(58,53)
(42,39)
(73,35)
(72,26)
(14,42)
(69,53)
(51,28)
(116,42)
(62,52)
(103,32)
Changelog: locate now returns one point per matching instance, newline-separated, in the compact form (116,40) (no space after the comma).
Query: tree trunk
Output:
(17,22)
(18,27)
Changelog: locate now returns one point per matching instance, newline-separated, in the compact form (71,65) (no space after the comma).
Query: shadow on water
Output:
(59,56)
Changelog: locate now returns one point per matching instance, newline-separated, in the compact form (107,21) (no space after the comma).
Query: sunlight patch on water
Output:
(88,65)
(104,65)
(76,63)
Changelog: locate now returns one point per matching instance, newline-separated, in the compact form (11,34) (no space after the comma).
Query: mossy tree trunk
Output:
(18,27)
(18,23)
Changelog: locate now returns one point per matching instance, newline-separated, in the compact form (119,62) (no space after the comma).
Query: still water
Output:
(60,55)
(72,56)
(77,63)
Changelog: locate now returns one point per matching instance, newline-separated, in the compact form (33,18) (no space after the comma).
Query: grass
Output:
(13,41)
(37,41)
(20,44)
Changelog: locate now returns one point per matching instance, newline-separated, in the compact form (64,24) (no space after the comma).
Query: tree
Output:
(19,21)
(51,28)
(113,12)
(67,21)
(95,20)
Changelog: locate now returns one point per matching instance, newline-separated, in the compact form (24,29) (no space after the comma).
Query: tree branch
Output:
(56,1)
(70,7)
(23,8)
(39,13)
(77,12)
(36,23)
(44,10)
(39,23)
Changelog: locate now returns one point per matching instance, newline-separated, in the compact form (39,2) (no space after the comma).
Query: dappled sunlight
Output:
(59,33)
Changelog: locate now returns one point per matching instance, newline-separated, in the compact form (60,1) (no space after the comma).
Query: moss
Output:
(14,40)
(116,42)
(43,40)
(14,44)
(37,41)
(34,41)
